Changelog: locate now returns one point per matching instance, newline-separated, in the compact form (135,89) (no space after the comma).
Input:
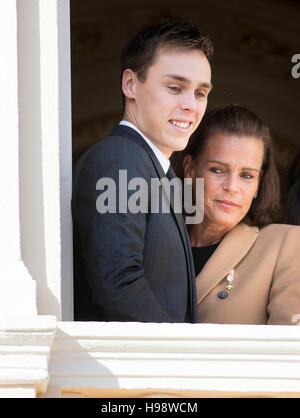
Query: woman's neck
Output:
(202,235)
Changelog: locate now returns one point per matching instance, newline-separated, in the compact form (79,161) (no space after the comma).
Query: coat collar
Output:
(233,247)
(133,135)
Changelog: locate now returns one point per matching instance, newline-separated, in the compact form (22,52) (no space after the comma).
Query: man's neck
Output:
(164,161)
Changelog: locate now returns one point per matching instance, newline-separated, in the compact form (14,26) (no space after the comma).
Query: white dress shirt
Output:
(164,161)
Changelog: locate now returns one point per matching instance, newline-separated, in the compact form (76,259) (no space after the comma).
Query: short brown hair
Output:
(238,120)
(139,52)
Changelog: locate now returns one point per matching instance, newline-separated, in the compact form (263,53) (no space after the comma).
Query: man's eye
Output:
(175,89)
(200,94)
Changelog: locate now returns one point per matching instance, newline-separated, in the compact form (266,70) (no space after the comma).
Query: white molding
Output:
(43,358)
(13,273)
(46,151)
(25,346)
(171,358)
(65,156)
(18,391)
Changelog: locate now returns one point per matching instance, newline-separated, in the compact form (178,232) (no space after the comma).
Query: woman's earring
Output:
(255,196)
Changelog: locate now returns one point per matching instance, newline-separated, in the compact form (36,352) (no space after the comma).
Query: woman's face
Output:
(231,167)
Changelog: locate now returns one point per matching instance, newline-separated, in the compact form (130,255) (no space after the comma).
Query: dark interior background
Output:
(253,43)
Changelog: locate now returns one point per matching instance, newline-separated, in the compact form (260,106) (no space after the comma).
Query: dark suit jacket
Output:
(128,267)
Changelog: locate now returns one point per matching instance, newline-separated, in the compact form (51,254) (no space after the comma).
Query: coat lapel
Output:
(233,247)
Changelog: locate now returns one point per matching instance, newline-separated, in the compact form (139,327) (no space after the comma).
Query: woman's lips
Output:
(227,204)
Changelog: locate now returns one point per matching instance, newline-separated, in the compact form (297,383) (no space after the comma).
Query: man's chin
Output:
(180,146)
(173,145)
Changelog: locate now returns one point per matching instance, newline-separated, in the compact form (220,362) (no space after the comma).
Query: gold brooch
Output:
(229,277)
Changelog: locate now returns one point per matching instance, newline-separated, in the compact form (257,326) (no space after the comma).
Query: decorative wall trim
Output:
(25,346)
(133,359)
(42,358)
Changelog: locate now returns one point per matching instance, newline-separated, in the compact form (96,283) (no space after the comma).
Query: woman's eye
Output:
(247,176)
(215,170)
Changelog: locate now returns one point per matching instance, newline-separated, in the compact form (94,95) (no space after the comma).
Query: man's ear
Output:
(188,166)
(129,83)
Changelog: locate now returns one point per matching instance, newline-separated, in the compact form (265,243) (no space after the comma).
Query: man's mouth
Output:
(180,124)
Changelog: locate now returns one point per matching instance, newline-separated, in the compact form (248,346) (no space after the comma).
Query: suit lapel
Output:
(130,133)
(121,130)
(188,251)
(135,136)
(233,247)
(178,216)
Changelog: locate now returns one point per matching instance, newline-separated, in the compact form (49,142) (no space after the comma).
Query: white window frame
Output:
(45,353)
(46,174)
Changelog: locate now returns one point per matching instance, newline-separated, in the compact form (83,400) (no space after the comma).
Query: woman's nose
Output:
(231,183)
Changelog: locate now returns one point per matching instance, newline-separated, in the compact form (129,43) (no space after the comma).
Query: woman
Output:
(292,201)
(247,268)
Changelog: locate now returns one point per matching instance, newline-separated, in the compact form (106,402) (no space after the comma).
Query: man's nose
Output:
(188,102)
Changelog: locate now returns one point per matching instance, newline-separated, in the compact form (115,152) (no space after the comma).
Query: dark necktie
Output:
(170,173)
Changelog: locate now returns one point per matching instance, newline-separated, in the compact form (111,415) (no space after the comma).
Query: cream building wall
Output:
(43,353)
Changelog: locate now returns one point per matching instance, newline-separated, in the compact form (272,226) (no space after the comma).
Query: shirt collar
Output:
(164,161)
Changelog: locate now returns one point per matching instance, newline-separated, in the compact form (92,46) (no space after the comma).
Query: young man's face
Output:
(169,105)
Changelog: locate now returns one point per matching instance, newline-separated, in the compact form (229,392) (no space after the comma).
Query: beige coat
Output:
(266,284)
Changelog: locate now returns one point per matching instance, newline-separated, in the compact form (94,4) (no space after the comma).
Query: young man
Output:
(138,266)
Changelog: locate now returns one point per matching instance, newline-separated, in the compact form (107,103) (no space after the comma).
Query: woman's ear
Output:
(128,83)
(188,166)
